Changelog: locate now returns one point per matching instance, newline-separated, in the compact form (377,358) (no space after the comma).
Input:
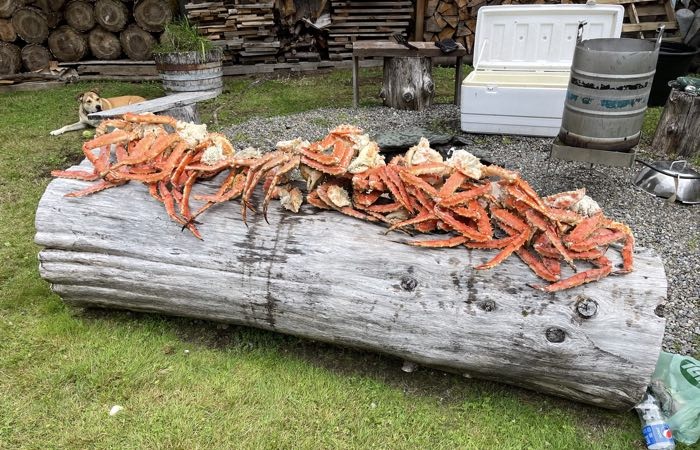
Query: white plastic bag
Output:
(676,383)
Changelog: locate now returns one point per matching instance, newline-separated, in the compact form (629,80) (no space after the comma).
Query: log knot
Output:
(586,307)
(555,335)
(408,283)
(487,305)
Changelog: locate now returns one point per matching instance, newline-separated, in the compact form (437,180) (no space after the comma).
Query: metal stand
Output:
(592,156)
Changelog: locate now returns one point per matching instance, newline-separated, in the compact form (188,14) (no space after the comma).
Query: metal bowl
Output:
(670,179)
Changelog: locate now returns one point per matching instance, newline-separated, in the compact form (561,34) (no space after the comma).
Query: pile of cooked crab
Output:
(471,204)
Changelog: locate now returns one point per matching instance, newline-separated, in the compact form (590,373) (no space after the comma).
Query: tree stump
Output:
(137,43)
(35,57)
(66,44)
(30,25)
(677,134)
(328,277)
(7,31)
(103,44)
(80,15)
(153,15)
(112,15)
(408,83)
(10,59)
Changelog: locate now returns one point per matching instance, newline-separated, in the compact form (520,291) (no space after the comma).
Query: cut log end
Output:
(66,44)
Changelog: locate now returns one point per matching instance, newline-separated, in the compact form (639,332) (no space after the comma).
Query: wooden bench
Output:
(388,49)
(182,106)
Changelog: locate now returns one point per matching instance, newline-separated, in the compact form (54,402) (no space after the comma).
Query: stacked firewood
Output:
(456,19)
(35,32)
(354,20)
(259,31)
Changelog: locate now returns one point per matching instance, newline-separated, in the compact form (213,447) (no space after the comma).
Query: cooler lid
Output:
(539,37)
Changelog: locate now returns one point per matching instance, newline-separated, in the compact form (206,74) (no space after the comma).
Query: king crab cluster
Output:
(478,206)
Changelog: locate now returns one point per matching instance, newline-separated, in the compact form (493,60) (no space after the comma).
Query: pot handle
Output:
(579,32)
(685,163)
(660,35)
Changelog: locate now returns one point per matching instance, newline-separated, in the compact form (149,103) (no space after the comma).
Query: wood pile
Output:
(259,31)
(456,19)
(35,32)
(643,17)
(354,20)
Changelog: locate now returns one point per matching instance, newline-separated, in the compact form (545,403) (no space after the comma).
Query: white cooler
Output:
(522,59)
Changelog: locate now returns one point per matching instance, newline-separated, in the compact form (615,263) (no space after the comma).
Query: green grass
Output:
(61,371)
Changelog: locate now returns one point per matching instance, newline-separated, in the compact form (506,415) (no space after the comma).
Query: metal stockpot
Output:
(670,179)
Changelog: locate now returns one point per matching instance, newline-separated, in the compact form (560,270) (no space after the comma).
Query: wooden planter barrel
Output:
(190,71)
(328,277)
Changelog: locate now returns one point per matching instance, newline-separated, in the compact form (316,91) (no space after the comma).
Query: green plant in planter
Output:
(182,36)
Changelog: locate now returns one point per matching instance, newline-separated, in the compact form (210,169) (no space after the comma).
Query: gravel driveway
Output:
(672,229)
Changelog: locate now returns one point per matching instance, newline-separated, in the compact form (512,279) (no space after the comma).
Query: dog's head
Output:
(90,102)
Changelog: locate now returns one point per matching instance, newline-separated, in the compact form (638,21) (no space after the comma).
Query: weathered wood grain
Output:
(331,278)
(677,132)
(408,83)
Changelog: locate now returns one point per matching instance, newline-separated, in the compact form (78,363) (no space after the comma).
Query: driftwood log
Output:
(408,83)
(324,276)
(678,131)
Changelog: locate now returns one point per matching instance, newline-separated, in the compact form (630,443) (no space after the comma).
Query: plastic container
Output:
(674,61)
(657,434)
(522,58)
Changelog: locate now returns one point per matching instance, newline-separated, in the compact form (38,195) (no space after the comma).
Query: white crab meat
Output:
(466,163)
(191,133)
(367,158)
(248,153)
(293,145)
(586,206)
(311,176)
(338,196)
(422,153)
(219,150)
(291,198)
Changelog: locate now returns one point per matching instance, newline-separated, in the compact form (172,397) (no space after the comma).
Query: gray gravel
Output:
(672,229)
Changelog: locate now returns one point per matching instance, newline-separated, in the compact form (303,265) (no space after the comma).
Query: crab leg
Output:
(281,171)
(97,187)
(508,250)
(459,226)
(603,270)
(422,217)
(347,210)
(418,183)
(536,264)
(541,224)
(392,173)
(82,175)
(440,243)
(464,197)
(583,229)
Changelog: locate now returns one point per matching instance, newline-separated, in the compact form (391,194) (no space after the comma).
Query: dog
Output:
(91,102)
